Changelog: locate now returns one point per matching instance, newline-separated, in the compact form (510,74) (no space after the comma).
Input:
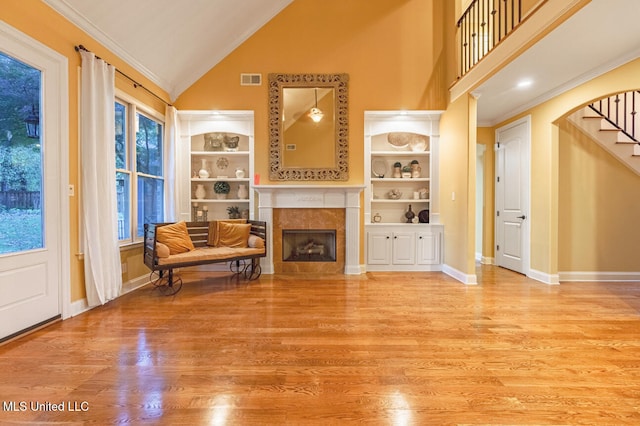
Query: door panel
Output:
(30,234)
(378,248)
(512,196)
(404,252)
(428,248)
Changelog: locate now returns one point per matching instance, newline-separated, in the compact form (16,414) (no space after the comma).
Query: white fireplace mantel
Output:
(314,196)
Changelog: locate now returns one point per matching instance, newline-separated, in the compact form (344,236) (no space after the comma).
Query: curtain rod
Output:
(135,83)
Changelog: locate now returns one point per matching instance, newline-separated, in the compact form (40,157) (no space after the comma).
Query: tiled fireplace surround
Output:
(311,207)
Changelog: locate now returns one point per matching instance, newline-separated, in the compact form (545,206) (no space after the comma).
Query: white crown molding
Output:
(79,20)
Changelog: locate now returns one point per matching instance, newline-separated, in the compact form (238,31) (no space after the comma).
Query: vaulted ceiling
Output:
(171,42)
(175,42)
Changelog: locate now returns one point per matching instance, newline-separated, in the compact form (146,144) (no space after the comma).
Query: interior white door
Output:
(512,196)
(30,259)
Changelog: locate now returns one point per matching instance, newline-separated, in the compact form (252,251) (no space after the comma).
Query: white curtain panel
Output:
(171,134)
(102,270)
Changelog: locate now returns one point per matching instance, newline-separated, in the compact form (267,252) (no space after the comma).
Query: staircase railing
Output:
(482,26)
(621,110)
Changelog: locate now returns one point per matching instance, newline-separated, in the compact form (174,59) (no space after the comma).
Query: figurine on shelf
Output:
(415,169)
(231,143)
(213,141)
(397,170)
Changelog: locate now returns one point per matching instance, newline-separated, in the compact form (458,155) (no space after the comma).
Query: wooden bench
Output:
(244,261)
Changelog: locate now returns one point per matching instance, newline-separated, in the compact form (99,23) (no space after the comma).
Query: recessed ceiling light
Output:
(524,83)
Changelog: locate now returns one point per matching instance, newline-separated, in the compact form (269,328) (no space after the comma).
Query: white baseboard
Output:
(80,306)
(488,260)
(468,279)
(575,276)
(551,279)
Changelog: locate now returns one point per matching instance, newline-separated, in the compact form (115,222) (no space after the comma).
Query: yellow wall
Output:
(390,49)
(546,163)
(38,21)
(457,180)
(599,207)
(486,136)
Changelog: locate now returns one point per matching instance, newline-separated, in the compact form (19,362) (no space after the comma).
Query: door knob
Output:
(523,217)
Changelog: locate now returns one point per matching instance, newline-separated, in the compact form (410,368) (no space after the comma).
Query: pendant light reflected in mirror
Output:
(316,114)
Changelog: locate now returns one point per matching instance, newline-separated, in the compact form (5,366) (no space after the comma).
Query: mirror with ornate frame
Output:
(308,127)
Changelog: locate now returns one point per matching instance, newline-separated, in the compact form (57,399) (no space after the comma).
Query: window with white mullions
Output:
(140,165)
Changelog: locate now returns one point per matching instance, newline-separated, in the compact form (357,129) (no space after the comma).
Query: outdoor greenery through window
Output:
(21,213)
(139,170)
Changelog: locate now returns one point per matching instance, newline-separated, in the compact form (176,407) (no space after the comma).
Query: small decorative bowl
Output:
(394,194)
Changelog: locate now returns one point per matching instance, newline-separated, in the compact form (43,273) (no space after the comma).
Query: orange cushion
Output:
(212,239)
(176,237)
(233,234)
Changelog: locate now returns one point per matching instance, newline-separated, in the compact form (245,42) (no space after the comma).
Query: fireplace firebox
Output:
(309,245)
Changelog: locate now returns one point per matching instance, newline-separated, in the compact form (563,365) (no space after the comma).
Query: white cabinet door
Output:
(404,248)
(428,248)
(378,248)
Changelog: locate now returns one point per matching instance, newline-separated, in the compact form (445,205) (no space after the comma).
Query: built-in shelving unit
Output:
(393,241)
(229,159)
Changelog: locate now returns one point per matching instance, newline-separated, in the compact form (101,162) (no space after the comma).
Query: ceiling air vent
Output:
(250,79)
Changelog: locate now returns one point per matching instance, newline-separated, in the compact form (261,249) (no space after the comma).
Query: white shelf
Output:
(213,153)
(215,179)
(384,180)
(216,200)
(401,200)
(399,153)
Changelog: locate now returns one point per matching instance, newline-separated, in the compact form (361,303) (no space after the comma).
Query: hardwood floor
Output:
(381,348)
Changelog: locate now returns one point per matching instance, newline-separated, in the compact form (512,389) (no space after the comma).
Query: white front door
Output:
(31,263)
(512,196)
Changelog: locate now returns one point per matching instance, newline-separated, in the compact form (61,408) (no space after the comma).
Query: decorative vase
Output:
(200,192)
(409,215)
(239,173)
(203,173)
(397,172)
(221,196)
(243,193)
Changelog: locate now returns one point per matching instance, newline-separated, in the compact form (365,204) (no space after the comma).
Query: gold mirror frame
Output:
(277,170)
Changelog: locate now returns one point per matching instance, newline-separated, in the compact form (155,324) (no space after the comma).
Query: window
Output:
(21,162)
(139,169)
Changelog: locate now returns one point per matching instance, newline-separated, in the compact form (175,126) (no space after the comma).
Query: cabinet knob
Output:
(387,237)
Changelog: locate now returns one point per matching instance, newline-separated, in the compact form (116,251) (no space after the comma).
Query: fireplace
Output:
(311,207)
(308,245)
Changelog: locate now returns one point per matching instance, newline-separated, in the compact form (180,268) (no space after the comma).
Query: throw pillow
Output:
(176,237)
(255,241)
(162,250)
(212,239)
(233,234)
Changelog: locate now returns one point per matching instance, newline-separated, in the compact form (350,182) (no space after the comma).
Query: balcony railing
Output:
(482,26)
